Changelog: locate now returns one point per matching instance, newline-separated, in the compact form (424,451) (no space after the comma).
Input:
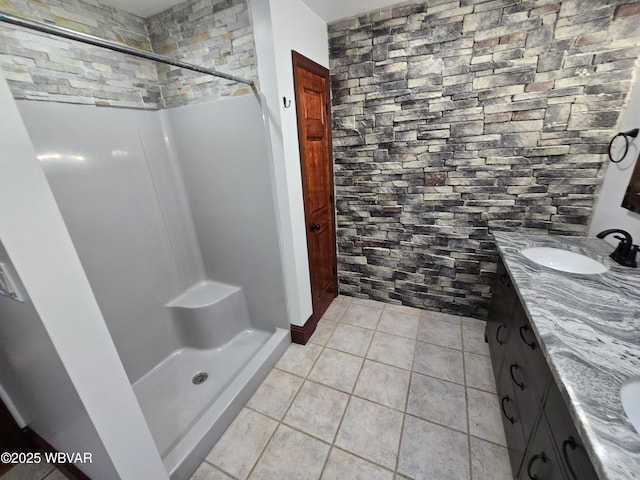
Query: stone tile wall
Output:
(453,119)
(214,34)
(41,67)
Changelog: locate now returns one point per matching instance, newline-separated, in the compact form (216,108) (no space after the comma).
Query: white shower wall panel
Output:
(224,156)
(109,172)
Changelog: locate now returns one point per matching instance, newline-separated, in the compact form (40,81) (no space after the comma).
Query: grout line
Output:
(466,401)
(216,467)
(280,422)
(406,401)
(352,394)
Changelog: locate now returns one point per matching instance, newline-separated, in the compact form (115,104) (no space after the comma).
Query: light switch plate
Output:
(8,285)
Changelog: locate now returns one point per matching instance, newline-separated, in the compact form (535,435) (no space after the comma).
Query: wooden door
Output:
(313,97)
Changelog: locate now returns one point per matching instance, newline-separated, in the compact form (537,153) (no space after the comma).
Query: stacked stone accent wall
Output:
(211,33)
(453,119)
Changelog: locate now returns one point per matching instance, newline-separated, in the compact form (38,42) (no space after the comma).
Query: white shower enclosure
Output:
(173,216)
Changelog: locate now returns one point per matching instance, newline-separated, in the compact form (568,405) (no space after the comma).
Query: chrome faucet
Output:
(625,252)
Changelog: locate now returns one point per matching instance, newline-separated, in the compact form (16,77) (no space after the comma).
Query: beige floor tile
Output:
(323,332)
(392,350)
(440,332)
(58,475)
(317,410)
(28,471)
(336,309)
(474,322)
(342,466)
(484,416)
(489,460)
(275,394)
(337,369)
(439,362)
(479,372)
(369,303)
(433,452)
(383,384)
(403,309)
(299,359)
(291,455)
(240,446)
(351,339)
(371,431)
(431,315)
(473,340)
(438,401)
(398,323)
(362,315)
(209,472)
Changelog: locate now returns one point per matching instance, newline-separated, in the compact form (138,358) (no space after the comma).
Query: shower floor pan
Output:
(185,418)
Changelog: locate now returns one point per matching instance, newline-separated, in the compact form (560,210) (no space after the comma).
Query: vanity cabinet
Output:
(541,438)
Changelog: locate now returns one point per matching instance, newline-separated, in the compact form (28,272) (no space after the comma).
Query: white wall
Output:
(280,27)
(103,166)
(35,238)
(37,388)
(222,151)
(608,213)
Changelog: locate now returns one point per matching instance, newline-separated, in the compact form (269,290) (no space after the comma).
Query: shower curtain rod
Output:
(111,45)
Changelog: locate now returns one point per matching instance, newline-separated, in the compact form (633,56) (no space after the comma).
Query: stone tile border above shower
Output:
(212,33)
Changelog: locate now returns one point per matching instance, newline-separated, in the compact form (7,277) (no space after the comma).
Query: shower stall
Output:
(173,216)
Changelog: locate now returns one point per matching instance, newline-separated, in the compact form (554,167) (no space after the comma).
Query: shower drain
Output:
(199,378)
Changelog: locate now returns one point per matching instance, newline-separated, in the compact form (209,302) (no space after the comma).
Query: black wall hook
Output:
(285,103)
(626,135)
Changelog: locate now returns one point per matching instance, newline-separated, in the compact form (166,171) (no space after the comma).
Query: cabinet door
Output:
(541,461)
(573,456)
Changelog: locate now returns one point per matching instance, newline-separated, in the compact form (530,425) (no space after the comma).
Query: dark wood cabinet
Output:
(571,451)
(542,440)
(541,461)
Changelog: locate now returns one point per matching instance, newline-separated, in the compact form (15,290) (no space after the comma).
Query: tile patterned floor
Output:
(42,471)
(380,392)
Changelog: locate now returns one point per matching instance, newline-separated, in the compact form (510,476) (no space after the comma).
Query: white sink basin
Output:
(630,396)
(564,260)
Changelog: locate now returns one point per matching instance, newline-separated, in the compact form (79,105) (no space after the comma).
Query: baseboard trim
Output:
(69,469)
(302,334)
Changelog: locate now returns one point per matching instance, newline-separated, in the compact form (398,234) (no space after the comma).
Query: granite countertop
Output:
(589,329)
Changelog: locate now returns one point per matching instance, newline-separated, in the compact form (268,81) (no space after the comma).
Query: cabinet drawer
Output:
(541,461)
(516,441)
(516,372)
(498,336)
(571,451)
(499,322)
(528,344)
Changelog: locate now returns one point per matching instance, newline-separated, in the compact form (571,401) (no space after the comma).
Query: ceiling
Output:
(328,10)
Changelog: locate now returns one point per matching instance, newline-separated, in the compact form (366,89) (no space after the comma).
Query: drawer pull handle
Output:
(504,279)
(542,457)
(531,345)
(516,367)
(569,442)
(504,412)
(498,339)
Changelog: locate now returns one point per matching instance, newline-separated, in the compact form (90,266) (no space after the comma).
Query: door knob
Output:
(314,227)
